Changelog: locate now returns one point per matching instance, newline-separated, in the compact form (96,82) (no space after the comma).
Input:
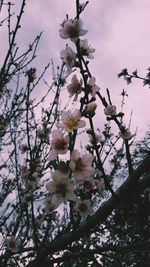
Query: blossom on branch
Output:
(93,87)
(59,142)
(75,88)
(68,57)
(86,50)
(81,166)
(72,29)
(71,122)
(62,188)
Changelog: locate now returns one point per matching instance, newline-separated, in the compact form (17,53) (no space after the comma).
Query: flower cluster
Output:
(73,30)
(51,169)
(77,173)
(61,186)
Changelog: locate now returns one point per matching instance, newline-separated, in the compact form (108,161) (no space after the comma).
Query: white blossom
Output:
(93,87)
(86,49)
(71,121)
(81,166)
(72,29)
(59,142)
(62,189)
(68,57)
(75,88)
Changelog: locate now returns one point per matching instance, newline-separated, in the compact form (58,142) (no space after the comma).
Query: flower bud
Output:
(90,109)
(110,110)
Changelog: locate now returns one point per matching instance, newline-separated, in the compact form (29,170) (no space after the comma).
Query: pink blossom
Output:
(110,110)
(83,207)
(62,188)
(59,142)
(75,88)
(72,29)
(81,166)
(93,87)
(68,57)
(86,49)
(72,121)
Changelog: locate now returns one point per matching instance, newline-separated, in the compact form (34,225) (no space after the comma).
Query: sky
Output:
(118,30)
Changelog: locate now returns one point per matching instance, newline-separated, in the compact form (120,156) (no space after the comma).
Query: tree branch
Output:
(130,186)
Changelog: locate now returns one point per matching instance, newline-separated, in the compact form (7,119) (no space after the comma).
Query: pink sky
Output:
(120,32)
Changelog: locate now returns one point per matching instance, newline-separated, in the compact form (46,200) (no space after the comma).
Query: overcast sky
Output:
(118,30)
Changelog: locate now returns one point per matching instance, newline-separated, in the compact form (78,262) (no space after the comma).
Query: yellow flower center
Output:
(71,123)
